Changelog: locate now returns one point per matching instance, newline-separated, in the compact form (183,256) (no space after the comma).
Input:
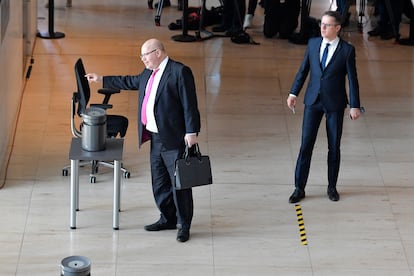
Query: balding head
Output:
(153,43)
(152,53)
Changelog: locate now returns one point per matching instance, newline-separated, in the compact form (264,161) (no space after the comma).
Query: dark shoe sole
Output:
(374,33)
(333,198)
(387,36)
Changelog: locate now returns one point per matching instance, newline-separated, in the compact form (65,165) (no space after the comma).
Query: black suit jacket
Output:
(328,84)
(176,111)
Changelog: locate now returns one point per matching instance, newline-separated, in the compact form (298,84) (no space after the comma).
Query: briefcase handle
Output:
(193,151)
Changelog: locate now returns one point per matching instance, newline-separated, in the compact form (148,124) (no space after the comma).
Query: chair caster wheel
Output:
(127,174)
(64,172)
(92,179)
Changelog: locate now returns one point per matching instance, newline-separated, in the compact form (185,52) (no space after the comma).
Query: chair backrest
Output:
(84,91)
(116,124)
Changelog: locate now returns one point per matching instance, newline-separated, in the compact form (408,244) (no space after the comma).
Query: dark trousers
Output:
(233,14)
(395,10)
(175,206)
(252,7)
(340,4)
(312,118)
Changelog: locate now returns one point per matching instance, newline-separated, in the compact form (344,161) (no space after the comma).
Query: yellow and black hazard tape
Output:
(301,225)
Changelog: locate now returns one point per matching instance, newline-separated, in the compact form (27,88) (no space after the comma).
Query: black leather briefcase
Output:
(192,170)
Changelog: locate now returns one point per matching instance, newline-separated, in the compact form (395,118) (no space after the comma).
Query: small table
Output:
(113,151)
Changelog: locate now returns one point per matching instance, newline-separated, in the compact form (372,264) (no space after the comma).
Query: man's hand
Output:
(291,103)
(92,77)
(354,113)
(190,139)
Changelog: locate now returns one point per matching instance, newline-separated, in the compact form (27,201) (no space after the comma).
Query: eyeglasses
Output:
(325,25)
(147,53)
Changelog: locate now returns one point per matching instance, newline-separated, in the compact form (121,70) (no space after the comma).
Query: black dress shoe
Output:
(297,195)
(165,4)
(333,194)
(183,235)
(158,226)
(219,29)
(387,35)
(230,34)
(375,32)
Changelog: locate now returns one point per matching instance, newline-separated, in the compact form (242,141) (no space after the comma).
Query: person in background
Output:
(388,25)
(343,10)
(168,116)
(340,6)
(233,13)
(328,60)
(248,18)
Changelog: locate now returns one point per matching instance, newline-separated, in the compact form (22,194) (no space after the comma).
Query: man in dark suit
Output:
(325,95)
(169,117)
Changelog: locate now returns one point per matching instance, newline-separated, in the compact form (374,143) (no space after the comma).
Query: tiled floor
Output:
(243,223)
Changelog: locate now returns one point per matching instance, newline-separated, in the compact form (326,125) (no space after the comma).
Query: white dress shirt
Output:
(333,44)
(151,123)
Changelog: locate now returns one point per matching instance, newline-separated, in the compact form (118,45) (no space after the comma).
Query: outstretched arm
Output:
(92,77)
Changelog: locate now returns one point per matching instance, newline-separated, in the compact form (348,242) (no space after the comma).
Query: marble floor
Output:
(243,223)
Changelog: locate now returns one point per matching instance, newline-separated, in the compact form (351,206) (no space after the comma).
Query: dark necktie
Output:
(146,97)
(325,56)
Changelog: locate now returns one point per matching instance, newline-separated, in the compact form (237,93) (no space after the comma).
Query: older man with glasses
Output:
(169,117)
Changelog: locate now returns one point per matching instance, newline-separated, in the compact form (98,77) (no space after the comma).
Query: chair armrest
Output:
(108,92)
(103,106)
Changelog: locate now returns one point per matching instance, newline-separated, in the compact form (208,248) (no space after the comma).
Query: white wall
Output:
(14,47)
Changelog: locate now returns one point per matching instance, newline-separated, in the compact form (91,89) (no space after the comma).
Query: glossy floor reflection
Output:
(243,223)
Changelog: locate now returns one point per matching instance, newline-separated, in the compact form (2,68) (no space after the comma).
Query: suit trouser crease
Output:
(311,121)
(175,206)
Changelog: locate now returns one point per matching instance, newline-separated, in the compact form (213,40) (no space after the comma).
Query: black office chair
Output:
(116,125)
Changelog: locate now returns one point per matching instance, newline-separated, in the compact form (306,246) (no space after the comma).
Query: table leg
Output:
(117,194)
(74,191)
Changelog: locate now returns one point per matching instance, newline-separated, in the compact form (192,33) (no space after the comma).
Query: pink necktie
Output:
(147,94)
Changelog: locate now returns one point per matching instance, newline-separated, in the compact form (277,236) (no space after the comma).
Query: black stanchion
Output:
(361,15)
(75,266)
(159,12)
(51,34)
(201,30)
(184,37)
